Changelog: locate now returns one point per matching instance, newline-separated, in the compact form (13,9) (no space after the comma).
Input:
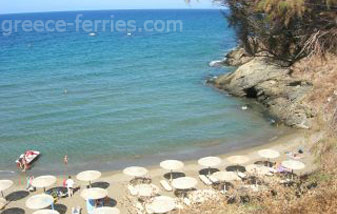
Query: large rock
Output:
(237,57)
(273,86)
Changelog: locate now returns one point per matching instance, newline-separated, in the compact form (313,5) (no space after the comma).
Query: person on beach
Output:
(70,186)
(29,186)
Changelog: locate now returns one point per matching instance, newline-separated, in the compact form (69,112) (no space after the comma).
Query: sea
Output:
(113,98)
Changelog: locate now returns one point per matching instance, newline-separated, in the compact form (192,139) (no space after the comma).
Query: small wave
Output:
(216,63)
(7,172)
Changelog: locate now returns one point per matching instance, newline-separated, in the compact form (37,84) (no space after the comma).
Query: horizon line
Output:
(85,10)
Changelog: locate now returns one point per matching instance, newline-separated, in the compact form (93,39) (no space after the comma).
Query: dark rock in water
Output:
(271,85)
(211,80)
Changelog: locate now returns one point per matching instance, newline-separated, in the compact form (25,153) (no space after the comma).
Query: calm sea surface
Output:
(113,99)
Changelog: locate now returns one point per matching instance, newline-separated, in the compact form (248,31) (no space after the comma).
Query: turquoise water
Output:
(113,98)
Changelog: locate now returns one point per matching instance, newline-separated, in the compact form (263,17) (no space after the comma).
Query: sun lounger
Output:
(76,210)
(242,175)
(166,185)
(132,190)
(187,202)
(213,179)
(205,180)
(2,203)
(139,208)
(90,206)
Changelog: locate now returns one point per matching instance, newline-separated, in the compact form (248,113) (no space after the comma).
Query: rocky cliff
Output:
(273,85)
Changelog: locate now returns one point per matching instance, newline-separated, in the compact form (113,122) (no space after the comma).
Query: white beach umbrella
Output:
(94,193)
(226,176)
(209,162)
(44,181)
(106,210)
(269,153)
(146,190)
(171,165)
(293,164)
(40,201)
(4,185)
(46,212)
(135,171)
(237,160)
(184,183)
(89,175)
(161,204)
(257,169)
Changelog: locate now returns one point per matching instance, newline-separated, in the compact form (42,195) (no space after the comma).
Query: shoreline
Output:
(289,142)
(200,150)
(117,182)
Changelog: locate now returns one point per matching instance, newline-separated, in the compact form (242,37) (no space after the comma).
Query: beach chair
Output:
(187,202)
(139,207)
(3,203)
(205,180)
(166,186)
(132,190)
(90,206)
(76,210)
(213,179)
(242,175)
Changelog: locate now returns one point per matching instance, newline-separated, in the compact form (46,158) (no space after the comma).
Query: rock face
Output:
(237,57)
(272,86)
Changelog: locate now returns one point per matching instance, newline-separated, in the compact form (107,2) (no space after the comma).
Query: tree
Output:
(288,29)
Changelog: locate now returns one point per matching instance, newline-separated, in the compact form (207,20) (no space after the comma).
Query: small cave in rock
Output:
(295,83)
(251,92)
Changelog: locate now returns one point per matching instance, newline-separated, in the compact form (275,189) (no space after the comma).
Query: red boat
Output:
(27,158)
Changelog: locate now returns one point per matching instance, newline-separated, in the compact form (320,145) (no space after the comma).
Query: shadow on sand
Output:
(175,175)
(14,210)
(62,209)
(16,196)
(235,168)
(208,171)
(109,202)
(103,185)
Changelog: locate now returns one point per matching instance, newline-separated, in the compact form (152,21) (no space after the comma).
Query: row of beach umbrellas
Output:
(160,204)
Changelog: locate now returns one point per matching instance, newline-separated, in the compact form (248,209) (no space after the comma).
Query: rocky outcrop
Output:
(273,86)
(237,57)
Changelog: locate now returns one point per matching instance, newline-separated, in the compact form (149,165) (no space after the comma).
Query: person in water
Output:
(22,163)
(66,160)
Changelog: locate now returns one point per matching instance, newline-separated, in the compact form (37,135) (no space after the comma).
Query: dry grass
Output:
(298,199)
(322,73)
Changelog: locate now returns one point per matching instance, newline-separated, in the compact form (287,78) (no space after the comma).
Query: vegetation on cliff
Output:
(302,33)
(287,29)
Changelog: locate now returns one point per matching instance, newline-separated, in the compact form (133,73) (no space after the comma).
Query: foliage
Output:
(288,29)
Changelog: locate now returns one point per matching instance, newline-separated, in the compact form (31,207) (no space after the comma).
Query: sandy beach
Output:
(116,182)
